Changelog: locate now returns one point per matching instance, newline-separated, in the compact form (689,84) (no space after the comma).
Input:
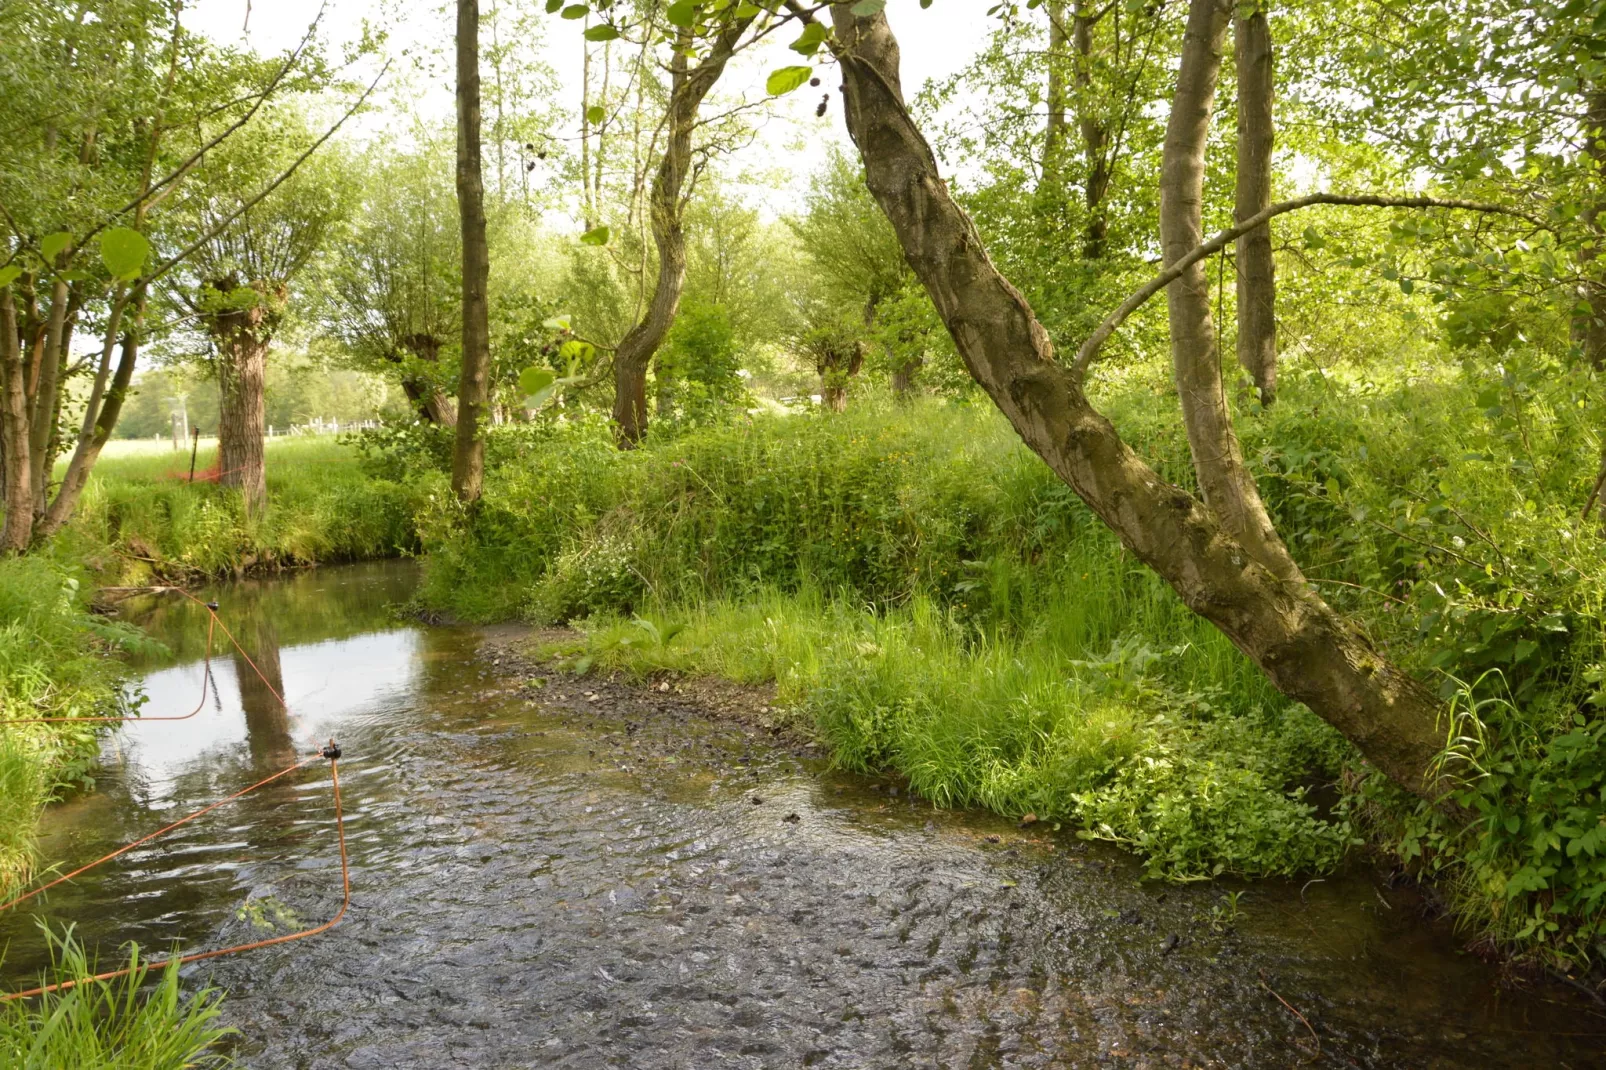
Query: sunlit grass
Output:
(140,1022)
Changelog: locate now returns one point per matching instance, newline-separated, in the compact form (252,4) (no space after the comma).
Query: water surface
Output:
(589,875)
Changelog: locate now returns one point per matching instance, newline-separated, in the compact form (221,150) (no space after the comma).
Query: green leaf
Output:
(748,11)
(595,114)
(534,380)
(1314,240)
(8,274)
(810,40)
(123,251)
(576,11)
(787,79)
(52,245)
(557,323)
(596,236)
(865,8)
(604,32)
(682,13)
(553,5)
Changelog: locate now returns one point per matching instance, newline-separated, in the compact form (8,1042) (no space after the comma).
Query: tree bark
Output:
(1257,275)
(105,405)
(430,400)
(242,418)
(18,529)
(473,385)
(688,87)
(42,417)
(1309,652)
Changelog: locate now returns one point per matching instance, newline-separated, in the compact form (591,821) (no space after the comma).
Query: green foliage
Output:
(140,1022)
(139,514)
(53,663)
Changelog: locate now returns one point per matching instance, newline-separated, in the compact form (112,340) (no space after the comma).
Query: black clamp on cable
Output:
(332,751)
(212,606)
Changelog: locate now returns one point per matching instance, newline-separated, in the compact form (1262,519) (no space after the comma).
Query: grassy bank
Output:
(140,517)
(942,607)
(56,660)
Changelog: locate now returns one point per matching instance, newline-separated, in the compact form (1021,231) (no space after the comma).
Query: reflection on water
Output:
(585,876)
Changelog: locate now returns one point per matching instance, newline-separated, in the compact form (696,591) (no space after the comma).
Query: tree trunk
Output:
(1095,137)
(1591,327)
(432,403)
(1229,488)
(100,418)
(1308,651)
(18,530)
(473,385)
(242,365)
(903,377)
(688,87)
(1257,275)
(42,417)
(1054,134)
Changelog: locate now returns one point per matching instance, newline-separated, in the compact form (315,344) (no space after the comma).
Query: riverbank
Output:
(938,606)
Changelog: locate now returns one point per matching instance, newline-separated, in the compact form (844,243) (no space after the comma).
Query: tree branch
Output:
(174,261)
(1090,348)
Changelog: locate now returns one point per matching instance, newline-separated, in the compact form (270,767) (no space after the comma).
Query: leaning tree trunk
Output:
(687,88)
(18,530)
(431,402)
(100,418)
(242,365)
(473,384)
(1308,651)
(1257,277)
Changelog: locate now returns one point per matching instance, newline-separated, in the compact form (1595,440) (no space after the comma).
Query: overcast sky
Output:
(935,43)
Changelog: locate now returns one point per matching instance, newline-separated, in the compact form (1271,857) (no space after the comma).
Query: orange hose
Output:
(206,677)
(340,827)
(345,903)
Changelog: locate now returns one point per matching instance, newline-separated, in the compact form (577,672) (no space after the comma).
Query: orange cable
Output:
(345,880)
(206,677)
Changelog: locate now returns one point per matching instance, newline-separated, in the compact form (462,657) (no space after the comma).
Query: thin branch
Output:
(223,225)
(1090,348)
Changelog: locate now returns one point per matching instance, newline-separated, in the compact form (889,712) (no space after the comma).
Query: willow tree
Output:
(110,106)
(393,284)
(248,252)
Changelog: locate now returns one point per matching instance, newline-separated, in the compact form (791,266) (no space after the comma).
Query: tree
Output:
(858,266)
(237,282)
(110,107)
(688,86)
(392,285)
(473,384)
(1220,554)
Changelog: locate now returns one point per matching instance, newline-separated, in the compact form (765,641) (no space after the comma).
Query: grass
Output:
(139,1022)
(55,661)
(140,517)
(937,604)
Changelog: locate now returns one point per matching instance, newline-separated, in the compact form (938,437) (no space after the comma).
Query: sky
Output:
(791,144)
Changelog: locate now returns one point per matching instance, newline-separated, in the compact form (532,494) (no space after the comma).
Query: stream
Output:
(581,873)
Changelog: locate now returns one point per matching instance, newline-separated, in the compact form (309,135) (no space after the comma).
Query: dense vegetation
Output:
(916,445)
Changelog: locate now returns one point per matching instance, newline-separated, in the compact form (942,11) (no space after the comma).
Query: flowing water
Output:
(589,875)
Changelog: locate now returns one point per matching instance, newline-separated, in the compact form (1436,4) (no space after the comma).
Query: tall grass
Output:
(138,1022)
(940,605)
(139,514)
(54,662)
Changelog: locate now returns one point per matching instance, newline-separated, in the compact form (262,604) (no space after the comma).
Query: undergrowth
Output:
(985,636)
